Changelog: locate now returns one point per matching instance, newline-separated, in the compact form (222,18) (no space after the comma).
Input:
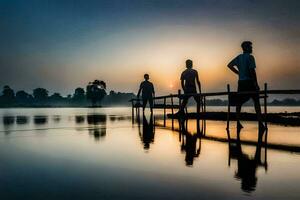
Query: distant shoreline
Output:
(128,106)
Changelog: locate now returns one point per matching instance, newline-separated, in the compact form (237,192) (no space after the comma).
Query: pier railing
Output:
(263,94)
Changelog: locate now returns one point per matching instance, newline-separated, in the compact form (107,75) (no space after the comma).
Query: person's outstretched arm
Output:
(198,82)
(232,65)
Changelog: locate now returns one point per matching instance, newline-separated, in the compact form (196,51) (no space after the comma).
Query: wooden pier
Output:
(167,102)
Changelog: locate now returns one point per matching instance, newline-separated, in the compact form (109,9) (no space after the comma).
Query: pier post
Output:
(228,108)
(179,97)
(198,105)
(172,109)
(172,104)
(204,99)
(265,104)
(164,111)
(132,110)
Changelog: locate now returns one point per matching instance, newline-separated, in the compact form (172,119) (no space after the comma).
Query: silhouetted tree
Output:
(23,97)
(8,95)
(56,97)
(40,94)
(112,92)
(118,98)
(95,91)
(79,94)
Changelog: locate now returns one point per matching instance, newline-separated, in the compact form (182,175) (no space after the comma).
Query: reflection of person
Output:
(246,166)
(244,66)
(148,93)
(148,132)
(189,78)
(189,145)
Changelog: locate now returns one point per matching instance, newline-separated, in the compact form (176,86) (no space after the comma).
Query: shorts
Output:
(247,86)
(192,90)
(150,100)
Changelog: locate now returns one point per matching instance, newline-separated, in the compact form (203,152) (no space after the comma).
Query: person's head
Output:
(146,77)
(189,63)
(247,46)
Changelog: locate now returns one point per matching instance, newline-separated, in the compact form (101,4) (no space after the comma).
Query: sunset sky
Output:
(61,45)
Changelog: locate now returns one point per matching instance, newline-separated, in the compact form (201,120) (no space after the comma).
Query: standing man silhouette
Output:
(148,93)
(189,78)
(244,66)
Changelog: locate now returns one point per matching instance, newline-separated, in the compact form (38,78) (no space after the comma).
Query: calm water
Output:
(83,153)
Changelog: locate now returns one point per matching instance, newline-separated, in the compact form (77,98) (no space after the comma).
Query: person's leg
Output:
(241,99)
(198,101)
(258,111)
(144,104)
(238,113)
(151,104)
(183,104)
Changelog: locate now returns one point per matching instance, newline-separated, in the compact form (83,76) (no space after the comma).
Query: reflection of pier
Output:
(282,147)
(246,164)
(173,101)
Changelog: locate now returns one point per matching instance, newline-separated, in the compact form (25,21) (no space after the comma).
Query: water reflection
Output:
(40,119)
(191,133)
(56,118)
(79,119)
(115,118)
(8,120)
(184,156)
(22,120)
(99,125)
(189,141)
(247,165)
(148,131)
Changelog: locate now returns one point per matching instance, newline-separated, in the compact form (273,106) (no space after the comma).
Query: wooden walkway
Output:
(167,102)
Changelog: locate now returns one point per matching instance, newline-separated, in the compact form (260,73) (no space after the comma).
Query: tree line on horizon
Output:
(94,95)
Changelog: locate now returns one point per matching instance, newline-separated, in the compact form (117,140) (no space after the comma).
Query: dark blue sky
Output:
(64,44)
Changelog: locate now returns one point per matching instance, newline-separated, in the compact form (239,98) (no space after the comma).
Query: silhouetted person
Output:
(244,66)
(148,93)
(189,78)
